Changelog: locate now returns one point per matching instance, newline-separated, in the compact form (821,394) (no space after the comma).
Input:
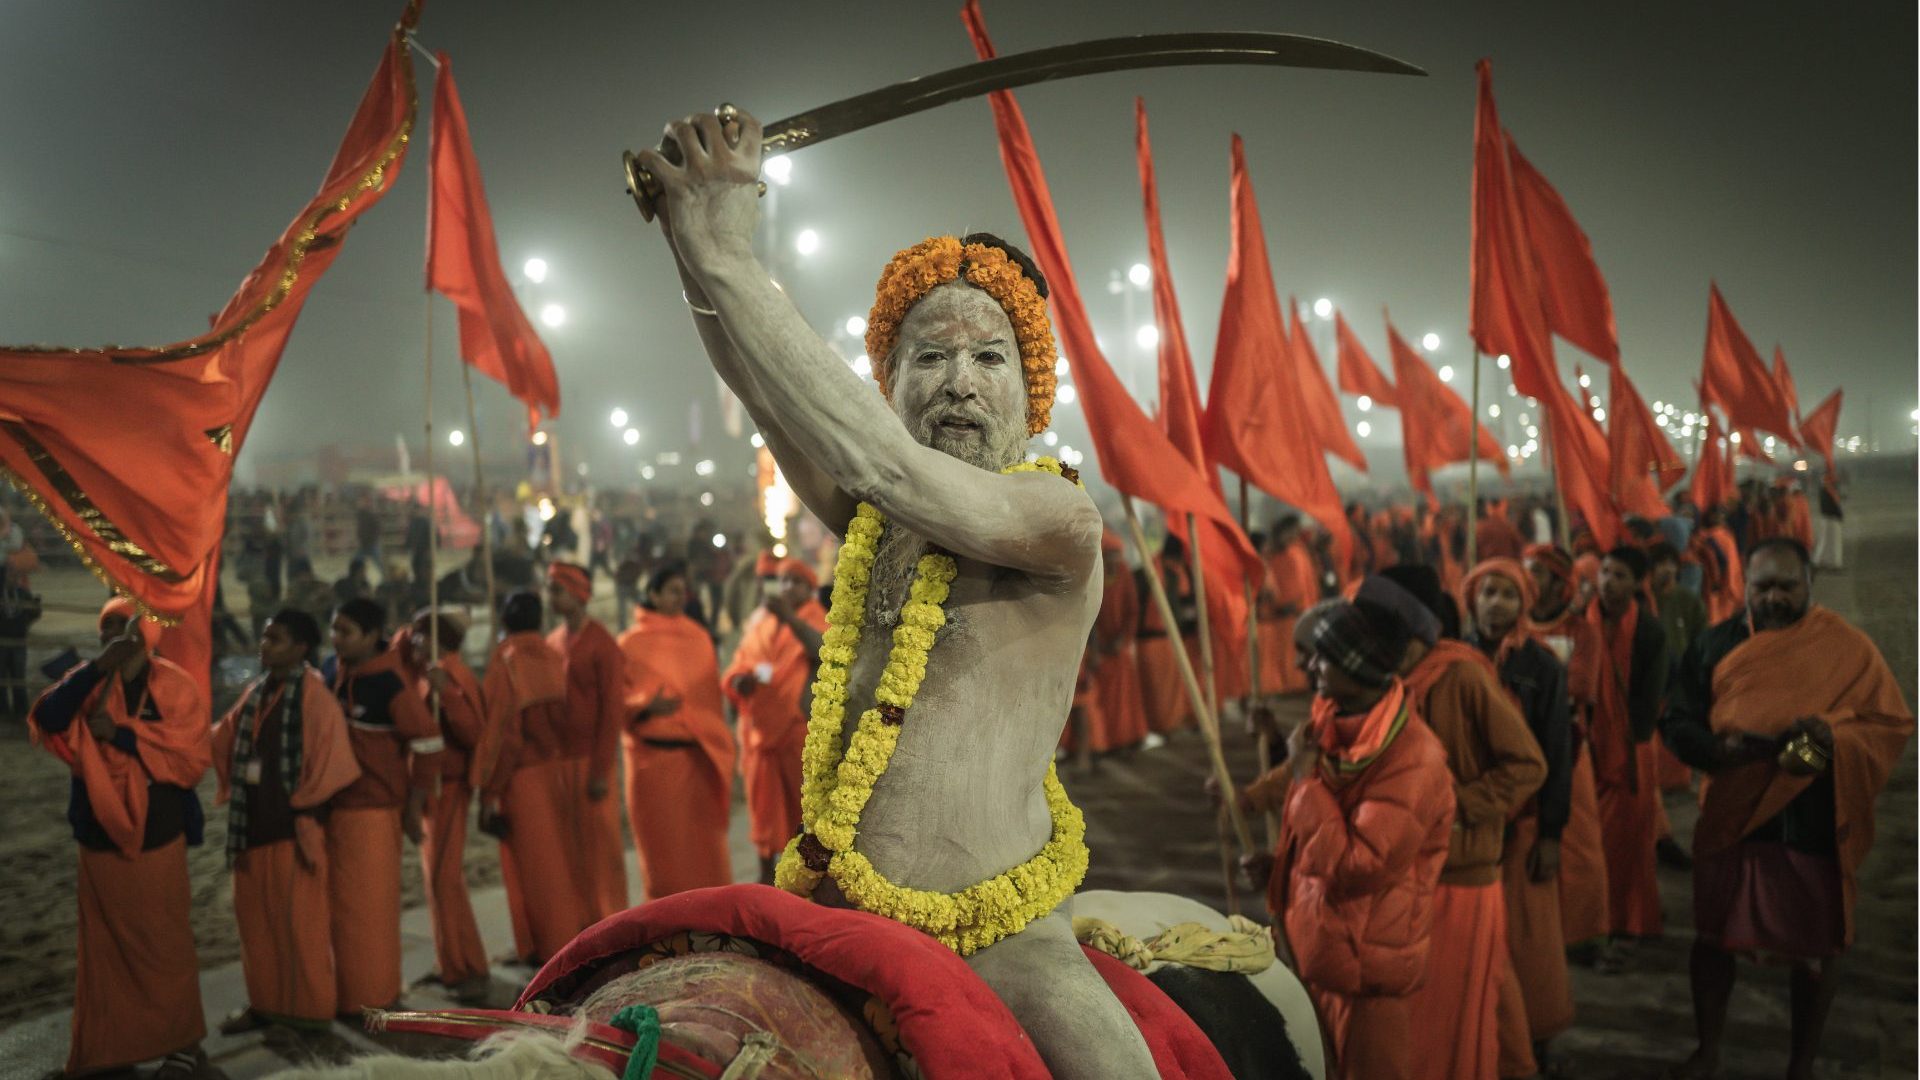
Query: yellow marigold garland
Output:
(913,273)
(835,787)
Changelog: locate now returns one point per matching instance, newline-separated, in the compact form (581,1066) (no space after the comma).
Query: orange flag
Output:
(1713,474)
(129,451)
(1135,455)
(1508,315)
(1582,465)
(1435,425)
(463,264)
(1642,462)
(1359,375)
(1316,394)
(1571,290)
(1817,428)
(1256,424)
(1783,378)
(1180,413)
(1733,377)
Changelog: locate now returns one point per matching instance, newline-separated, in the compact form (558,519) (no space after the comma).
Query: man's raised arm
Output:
(1025,522)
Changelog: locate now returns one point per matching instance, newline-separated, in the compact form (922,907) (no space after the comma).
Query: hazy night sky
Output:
(154,151)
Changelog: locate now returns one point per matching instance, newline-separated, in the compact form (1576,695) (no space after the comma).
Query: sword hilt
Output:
(646,190)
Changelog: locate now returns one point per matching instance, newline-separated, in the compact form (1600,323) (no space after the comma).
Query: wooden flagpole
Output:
(1261,744)
(1212,685)
(1209,725)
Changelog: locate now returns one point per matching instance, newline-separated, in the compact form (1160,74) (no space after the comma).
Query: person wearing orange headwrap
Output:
(1119,709)
(1583,862)
(597,707)
(460,957)
(680,755)
(282,753)
(766,682)
(1497,766)
(133,729)
(1537,1003)
(529,771)
(1800,722)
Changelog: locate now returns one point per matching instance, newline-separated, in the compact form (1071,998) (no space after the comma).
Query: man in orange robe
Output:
(397,743)
(1497,766)
(597,700)
(460,957)
(282,753)
(1292,587)
(133,729)
(680,755)
(1573,641)
(1800,722)
(1632,681)
(1119,711)
(1163,690)
(531,774)
(766,682)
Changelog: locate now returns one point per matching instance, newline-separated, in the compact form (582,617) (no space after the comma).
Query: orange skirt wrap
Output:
(772,778)
(1536,947)
(1629,827)
(363,892)
(1367,1037)
(1162,690)
(1454,1012)
(286,953)
(1583,861)
(681,844)
(546,806)
(458,952)
(136,987)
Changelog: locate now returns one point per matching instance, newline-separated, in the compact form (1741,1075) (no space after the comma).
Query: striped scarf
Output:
(292,744)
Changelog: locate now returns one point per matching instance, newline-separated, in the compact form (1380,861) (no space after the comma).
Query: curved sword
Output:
(1040,65)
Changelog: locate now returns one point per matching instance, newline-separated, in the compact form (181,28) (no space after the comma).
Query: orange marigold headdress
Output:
(988,263)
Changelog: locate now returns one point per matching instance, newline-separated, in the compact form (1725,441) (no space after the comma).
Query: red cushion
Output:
(1180,1048)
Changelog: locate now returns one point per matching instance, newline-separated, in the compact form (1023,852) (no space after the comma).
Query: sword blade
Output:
(1069,61)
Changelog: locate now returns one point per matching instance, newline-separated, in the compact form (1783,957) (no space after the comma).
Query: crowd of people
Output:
(1472,805)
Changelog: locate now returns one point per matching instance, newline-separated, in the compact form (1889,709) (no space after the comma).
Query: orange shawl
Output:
(524,672)
(175,749)
(1611,730)
(672,654)
(1819,666)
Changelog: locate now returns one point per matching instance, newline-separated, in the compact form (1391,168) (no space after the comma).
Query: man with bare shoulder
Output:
(963,598)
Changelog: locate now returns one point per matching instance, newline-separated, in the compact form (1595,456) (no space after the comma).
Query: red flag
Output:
(1316,394)
(1571,290)
(1508,315)
(1817,428)
(1180,419)
(1733,377)
(129,451)
(1582,464)
(1783,378)
(1435,425)
(1256,424)
(1643,463)
(1713,474)
(1136,457)
(463,264)
(1358,373)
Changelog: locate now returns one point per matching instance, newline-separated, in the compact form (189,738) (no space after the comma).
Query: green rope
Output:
(644,1022)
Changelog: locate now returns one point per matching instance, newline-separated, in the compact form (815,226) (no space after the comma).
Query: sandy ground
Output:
(1149,827)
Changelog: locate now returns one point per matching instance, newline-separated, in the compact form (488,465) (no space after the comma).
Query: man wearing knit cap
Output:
(766,683)
(1496,766)
(596,712)
(1367,804)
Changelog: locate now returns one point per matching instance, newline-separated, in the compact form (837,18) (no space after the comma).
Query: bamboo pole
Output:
(1261,744)
(1209,725)
(1212,685)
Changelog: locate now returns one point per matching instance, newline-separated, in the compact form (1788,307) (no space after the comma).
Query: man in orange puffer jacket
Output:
(1367,807)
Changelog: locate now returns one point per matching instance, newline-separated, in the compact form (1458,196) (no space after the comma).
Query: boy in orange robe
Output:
(1163,690)
(1497,766)
(1119,709)
(398,745)
(460,957)
(597,700)
(680,755)
(532,782)
(766,681)
(1366,806)
(282,753)
(133,729)
(1800,721)
(1566,632)
(1632,681)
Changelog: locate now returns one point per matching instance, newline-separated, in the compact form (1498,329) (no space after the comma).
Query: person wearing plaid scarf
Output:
(282,753)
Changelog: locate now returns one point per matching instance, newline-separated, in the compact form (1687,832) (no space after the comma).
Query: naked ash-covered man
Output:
(949,817)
